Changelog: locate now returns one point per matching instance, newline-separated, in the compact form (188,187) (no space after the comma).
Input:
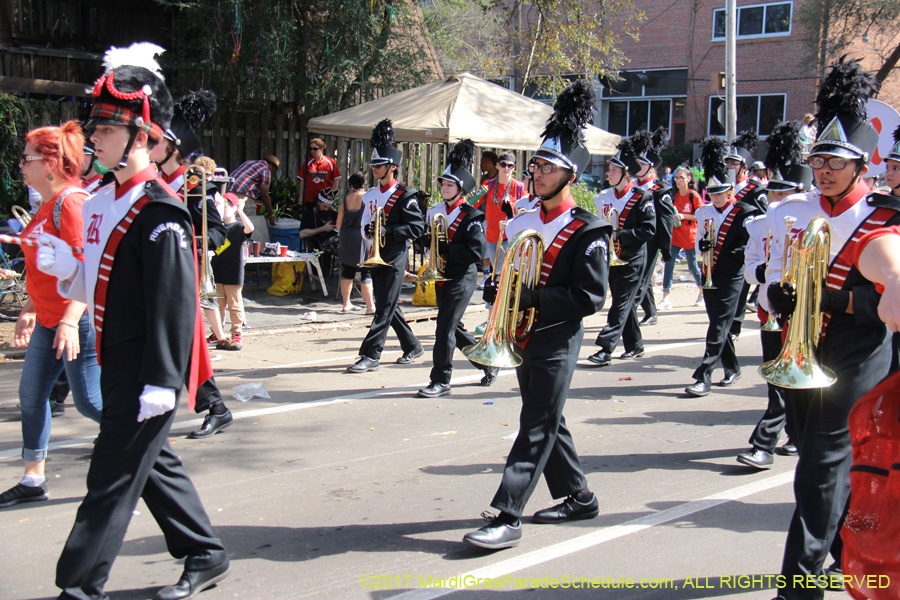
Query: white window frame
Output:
(648,99)
(756,35)
(643,87)
(762,135)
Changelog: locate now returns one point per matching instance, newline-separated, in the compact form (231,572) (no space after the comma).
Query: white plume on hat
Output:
(139,54)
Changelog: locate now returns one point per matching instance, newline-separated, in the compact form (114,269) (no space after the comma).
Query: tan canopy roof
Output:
(462,106)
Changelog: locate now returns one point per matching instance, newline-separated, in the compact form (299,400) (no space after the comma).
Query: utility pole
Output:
(730,77)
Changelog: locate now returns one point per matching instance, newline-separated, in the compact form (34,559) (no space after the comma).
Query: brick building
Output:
(669,76)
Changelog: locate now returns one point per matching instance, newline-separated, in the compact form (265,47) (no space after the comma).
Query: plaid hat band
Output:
(127,117)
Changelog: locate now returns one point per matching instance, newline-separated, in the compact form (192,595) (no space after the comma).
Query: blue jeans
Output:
(41,369)
(669,273)
(492,251)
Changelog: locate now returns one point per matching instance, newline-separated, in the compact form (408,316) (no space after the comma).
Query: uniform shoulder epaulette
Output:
(159,193)
(882,200)
(584,215)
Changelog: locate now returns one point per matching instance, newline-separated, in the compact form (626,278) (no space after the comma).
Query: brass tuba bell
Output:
(796,367)
(435,261)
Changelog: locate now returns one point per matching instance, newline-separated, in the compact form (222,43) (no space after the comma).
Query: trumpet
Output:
(612,216)
(709,234)
(796,366)
(435,261)
(195,179)
(377,241)
(495,349)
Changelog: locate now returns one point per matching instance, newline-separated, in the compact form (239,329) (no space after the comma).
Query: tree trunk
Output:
(888,66)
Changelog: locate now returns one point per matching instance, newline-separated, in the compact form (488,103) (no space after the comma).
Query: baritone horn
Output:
(195,179)
(709,234)
(796,366)
(377,241)
(522,266)
(436,265)
(612,216)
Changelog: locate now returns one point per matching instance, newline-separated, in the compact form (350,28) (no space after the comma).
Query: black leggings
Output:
(349,272)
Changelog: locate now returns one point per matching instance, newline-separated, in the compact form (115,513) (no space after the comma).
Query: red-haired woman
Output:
(55,331)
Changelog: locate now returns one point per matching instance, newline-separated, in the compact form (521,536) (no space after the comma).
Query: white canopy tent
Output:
(459,107)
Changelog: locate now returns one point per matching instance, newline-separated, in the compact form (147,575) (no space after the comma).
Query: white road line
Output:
(601,536)
(372,394)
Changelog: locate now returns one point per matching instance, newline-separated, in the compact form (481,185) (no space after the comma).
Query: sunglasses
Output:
(314,148)
(507,165)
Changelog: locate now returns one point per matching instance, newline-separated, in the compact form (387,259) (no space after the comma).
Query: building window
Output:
(655,82)
(759,112)
(629,116)
(756,20)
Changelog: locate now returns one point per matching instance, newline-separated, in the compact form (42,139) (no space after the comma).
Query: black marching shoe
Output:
(569,510)
(434,390)
(410,356)
(57,409)
(757,458)
(788,449)
(601,358)
(212,424)
(194,582)
(496,535)
(649,320)
(729,381)
(698,389)
(23,493)
(636,353)
(363,365)
(490,374)
(835,573)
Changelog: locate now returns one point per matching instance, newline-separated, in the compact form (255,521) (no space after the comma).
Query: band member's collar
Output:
(175,174)
(456,203)
(389,186)
(86,181)
(625,191)
(147,174)
(742,179)
(645,181)
(564,206)
(726,207)
(845,203)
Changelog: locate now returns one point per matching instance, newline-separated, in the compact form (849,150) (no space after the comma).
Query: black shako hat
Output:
(743,146)
(563,135)
(383,151)
(842,117)
(189,114)
(719,178)
(459,169)
(784,160)
(648,147)
(624,157)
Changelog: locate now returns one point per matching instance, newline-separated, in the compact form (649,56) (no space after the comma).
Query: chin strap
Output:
(621,177)
(562,186)
(133,131)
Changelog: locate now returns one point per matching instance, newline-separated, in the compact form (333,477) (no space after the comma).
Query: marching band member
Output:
(726,240)
(402,222)
(173,155)
(855,343)
(461,253)
(789,176)
(140,284)
(572,286)
(635,228)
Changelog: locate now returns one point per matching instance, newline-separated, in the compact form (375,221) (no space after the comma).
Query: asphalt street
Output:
(348,486)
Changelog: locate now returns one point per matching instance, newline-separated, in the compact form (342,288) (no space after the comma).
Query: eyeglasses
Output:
(375,166)
(507,165)
(733,163)
(835,163)
(545,168)
(314,148)
(25,159)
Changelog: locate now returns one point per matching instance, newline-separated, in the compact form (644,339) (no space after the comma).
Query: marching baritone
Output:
(401,223)
(854,343)
(460,253)
(572,286)
(722,244)
(140,284)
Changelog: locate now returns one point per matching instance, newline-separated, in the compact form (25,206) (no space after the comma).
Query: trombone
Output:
(21,215)
(495,349)
(796,366)
(612,216)
(377,242)
(195,179)
(709,234)
(436,263)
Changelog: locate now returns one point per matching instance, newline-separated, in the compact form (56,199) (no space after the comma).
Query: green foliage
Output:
(467,35)
(284,194)
(17,117)
(674,156)
(584,197)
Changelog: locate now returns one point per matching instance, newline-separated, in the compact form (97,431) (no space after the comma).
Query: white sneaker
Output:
(663,304)
(700,301)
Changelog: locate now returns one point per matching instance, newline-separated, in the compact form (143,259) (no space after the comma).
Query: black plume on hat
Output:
(894,153)
(563,135)
(640,144)
(461,159)
(189,114)
(712,156)
(844,92)
(383,134)
(747,140)
(783,146)
(659,140)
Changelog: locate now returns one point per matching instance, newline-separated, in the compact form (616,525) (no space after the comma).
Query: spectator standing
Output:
(497,198)
(807,133)
(320,172)
(252,180)
(354,248)
(488,165)
(228,266)
(684,235)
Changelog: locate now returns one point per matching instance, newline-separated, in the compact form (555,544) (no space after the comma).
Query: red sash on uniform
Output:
(635,194)
(720,239)
(550,255)
(843,262)
(450,233)
(747,188)
(390,203)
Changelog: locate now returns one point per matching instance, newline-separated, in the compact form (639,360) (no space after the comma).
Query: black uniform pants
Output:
(765,435)
(132,460)
(450,333)
(544,444)
(720,304)
(387,282)
(208,395)
(647,300)
(624,282)
(739,311)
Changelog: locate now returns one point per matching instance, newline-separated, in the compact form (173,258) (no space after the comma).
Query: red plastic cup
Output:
(284,250)
(256,248)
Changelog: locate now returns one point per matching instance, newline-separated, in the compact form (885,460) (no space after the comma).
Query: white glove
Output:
(156,401)
(54,257)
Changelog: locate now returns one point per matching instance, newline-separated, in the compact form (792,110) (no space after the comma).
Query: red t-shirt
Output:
(498,194)
(685,234)
(322,174)
(48,304)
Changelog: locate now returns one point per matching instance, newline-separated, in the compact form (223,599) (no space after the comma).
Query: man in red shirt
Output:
(318,173)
